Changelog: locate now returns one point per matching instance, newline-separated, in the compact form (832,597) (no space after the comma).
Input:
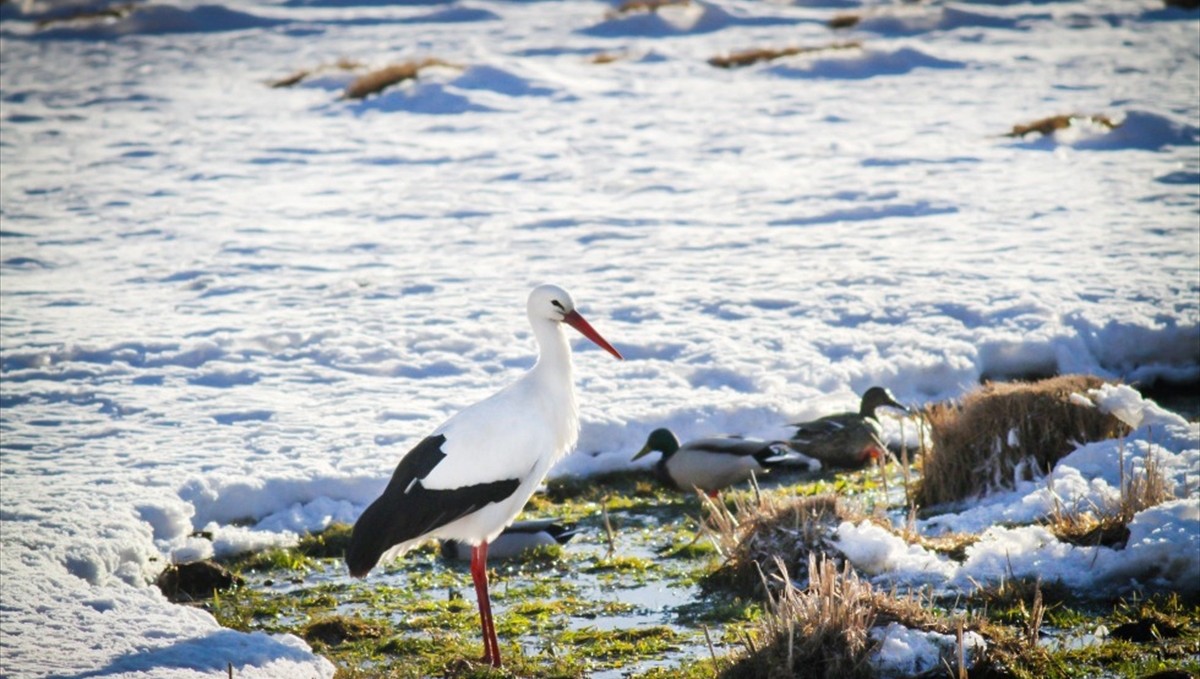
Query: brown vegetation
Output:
(757,534)
(636,6)
(1045,126)
(304,73)
(605,58)
(1002,431)
(377,81)
(824,629)
(86,15)
(195,580)
(1109,526)
(338,629)
(844,21)
(753,56)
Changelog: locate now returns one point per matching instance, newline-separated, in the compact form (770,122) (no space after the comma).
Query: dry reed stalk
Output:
(1145,490)
(1034,617)
(289,80)
(1109,526)
(609,533)
(1045,126)
(962,651)
(753,56)
(377,81)
(1002,432)
(906,467)
(295,78)
(823,630)
(712,652)
(637,6)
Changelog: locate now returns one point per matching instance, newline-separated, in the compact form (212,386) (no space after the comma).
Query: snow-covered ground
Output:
(223,301)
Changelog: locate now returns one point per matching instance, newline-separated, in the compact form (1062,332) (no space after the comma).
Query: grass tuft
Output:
(338,629)
(757,534)
(196,580)
(381,79)
(302,74)
(645,6)
(1047,126)
(86,15)
(753,56)
(1109,526)
(840,21)
(824,629)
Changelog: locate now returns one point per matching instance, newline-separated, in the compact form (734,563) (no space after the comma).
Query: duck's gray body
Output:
(711,464)
(517,539)
(846,439)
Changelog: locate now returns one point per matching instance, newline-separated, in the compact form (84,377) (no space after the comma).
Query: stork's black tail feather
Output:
(407,509)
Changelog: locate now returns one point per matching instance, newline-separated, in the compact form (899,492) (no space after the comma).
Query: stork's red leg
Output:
(491,646)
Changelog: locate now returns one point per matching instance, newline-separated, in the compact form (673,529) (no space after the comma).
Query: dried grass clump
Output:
(844,21)
(640,6)
(824,629)
(298,76)
(196,580)
(376,81)
(338,629)
(605,58)
(1002,432)
(1047,126)
(1109,526)
(89,15)
(753,56)
(756,534)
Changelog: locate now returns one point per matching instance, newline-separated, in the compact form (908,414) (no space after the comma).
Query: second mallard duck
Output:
(846,439)
(711,464)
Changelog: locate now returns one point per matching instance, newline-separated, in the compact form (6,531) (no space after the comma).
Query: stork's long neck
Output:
(552,374)
(553,367)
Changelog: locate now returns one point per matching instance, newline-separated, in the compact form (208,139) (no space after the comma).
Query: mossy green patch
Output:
(623,595)
(621,643)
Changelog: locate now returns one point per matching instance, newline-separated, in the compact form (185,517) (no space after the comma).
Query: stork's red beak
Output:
(576,321)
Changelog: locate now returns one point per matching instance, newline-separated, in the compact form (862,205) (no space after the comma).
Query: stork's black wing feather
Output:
(407,509)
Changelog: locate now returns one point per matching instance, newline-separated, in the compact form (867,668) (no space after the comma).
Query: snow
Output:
(1162,553)
(904,652)
(224,302)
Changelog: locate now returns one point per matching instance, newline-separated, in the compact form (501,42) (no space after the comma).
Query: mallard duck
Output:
(846,439)
(516,540)
(711,464)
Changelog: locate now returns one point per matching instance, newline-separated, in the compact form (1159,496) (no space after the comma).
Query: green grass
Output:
(574,611)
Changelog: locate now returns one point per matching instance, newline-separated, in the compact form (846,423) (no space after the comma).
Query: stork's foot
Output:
(487,659)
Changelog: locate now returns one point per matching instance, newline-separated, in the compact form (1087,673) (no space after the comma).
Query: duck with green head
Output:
(847,439)
(711,464)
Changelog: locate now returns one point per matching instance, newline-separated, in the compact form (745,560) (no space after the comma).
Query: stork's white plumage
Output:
(472,476)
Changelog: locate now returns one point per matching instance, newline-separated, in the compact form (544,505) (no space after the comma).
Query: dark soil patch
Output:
(196,580)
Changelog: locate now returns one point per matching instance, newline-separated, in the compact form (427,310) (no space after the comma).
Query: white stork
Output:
(472,476)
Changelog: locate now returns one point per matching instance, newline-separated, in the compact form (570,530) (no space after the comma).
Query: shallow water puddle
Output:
(587,608)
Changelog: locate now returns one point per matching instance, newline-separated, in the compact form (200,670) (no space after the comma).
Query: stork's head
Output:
(552,303)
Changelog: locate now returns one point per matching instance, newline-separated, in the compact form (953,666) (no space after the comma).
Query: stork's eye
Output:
(558,305)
